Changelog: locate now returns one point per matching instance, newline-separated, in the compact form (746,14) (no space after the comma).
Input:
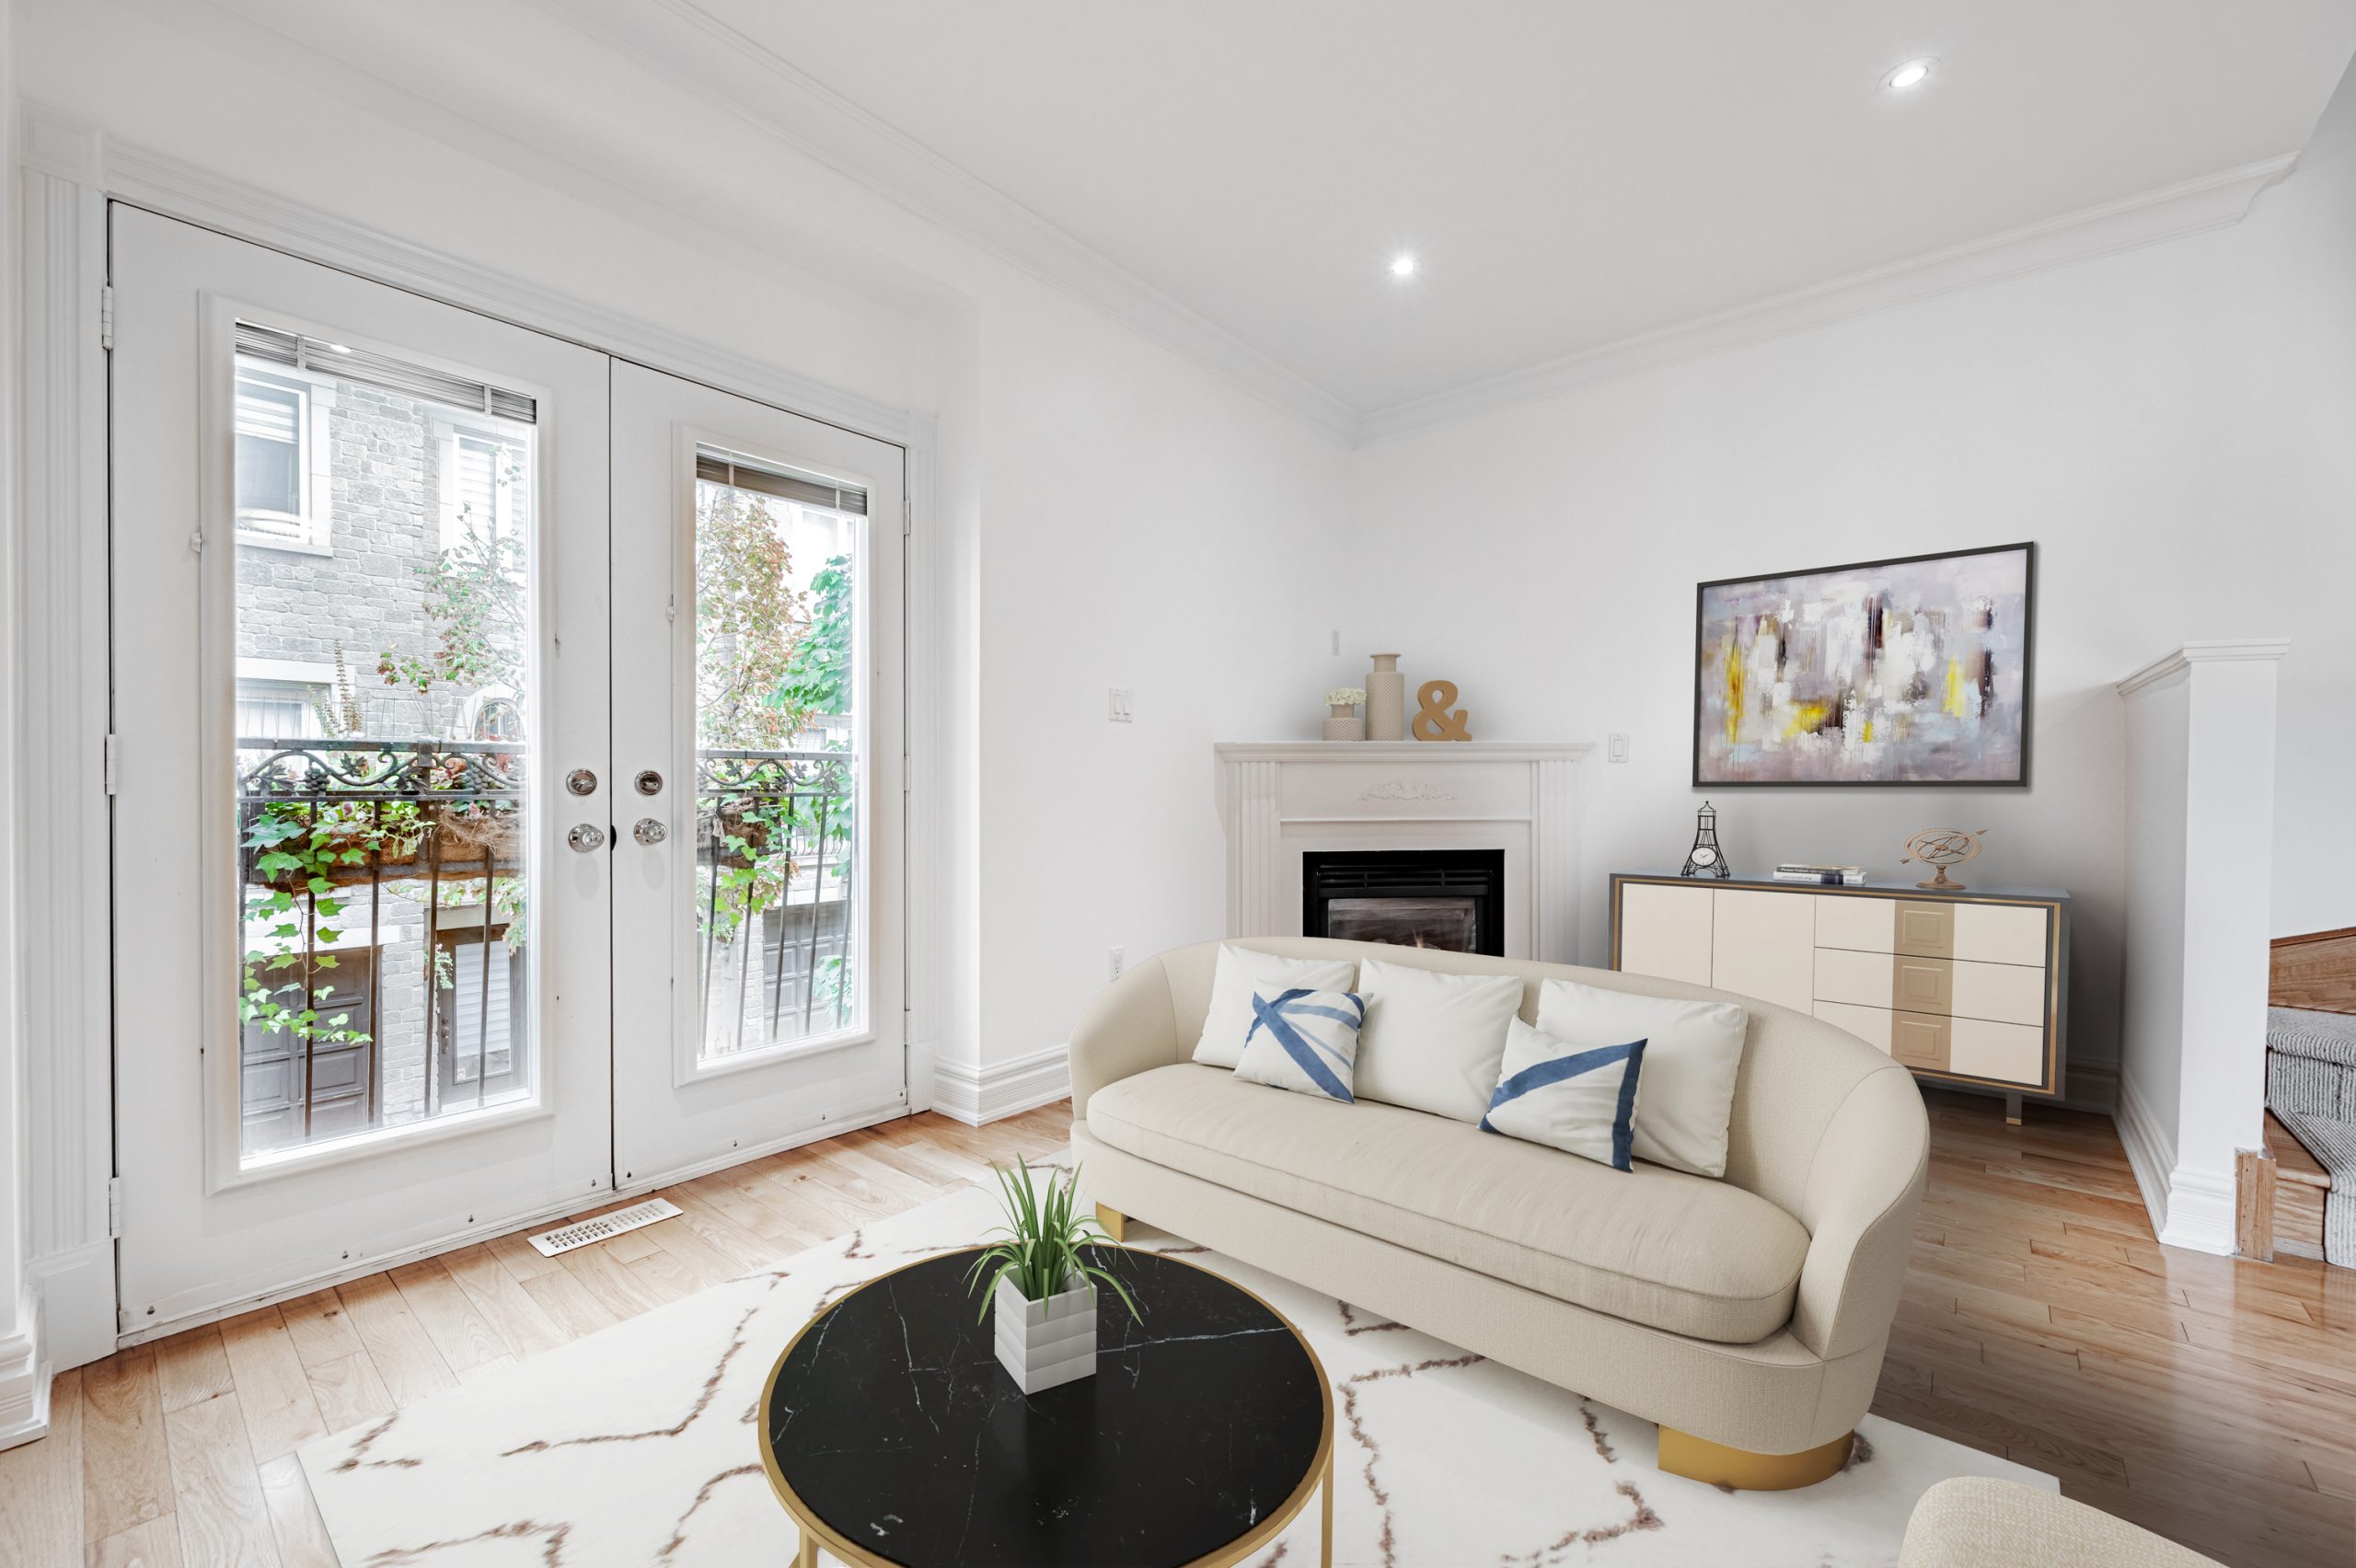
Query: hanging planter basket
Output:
(398,854)
(465,834)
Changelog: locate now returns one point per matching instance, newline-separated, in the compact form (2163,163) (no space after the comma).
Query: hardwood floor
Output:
(2210,1398)
(180,1454)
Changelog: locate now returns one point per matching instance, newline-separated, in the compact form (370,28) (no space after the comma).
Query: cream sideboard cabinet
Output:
(1968,988)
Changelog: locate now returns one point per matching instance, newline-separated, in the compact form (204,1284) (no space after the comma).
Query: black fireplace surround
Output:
(1450,899)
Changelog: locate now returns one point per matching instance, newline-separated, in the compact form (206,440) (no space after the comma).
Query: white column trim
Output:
(63,705)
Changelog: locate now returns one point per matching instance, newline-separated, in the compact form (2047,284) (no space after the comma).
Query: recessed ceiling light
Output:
(1914,74)
(1402,266)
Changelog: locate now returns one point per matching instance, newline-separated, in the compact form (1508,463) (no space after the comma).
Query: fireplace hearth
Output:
(1448,899)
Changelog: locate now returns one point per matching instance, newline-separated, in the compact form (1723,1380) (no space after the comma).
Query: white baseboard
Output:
(975,1095)
(75,1289)
(24,1386)
(2192,1209)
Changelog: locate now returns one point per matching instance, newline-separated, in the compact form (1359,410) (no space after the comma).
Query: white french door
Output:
(762,994)
(407,949)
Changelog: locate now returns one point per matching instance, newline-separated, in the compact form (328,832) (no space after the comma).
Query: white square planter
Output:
(1043,1343)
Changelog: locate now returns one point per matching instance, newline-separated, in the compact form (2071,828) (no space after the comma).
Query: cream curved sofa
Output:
(1747,1317)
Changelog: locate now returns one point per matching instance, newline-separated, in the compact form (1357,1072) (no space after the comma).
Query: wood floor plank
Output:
(273,1387)
(216,1489)
(349,1391)
(610,1284)
(155,1544)
(396,1343)
(319,1328)
(571,1304)
(294,1520)
(192,1367)
(126,1465)
(464,1336)
(500,1298)
(41,1484)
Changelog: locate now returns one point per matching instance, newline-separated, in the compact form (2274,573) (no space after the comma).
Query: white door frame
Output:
(68,170)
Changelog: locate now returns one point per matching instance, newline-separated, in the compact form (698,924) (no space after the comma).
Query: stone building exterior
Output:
(348,492)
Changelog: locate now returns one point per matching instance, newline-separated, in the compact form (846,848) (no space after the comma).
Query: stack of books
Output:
(1826,876)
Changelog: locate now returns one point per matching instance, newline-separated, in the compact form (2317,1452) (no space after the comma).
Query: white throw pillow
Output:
(1433,1040)
(1692,1053)
(1241,972)
(1304,1041)
(1579,1099)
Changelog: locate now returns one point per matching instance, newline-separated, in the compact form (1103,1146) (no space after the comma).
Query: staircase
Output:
(2311,1096)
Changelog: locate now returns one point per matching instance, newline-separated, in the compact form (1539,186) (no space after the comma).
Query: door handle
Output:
(650,831)
(586,836)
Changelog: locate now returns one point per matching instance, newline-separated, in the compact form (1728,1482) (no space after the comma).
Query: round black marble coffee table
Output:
(892,1436)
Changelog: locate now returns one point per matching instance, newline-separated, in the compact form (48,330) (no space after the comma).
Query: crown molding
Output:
(2194,206)
(55,142)
(796,108)
(2213,651)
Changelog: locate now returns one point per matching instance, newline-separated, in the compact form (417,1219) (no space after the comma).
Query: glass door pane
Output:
(383,633)
(778,754)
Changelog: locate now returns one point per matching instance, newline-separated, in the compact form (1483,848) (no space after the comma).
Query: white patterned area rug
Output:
(636,1448)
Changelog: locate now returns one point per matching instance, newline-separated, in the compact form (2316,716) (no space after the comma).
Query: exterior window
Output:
(283,495)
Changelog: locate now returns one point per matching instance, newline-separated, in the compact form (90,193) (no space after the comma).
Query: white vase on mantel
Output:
(1342,723)
(1045,1343)
(1386,700)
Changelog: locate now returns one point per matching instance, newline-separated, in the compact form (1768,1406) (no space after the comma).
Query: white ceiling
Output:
(1570,176)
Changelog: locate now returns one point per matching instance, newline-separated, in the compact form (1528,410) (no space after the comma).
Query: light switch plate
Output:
(1117,706)
(1616,748)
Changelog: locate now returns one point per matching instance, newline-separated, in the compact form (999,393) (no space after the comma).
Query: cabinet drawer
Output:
(1885,980)
(1915,1040)
(2009,1053)
(1858,921)
(1925,930)
(2001,933)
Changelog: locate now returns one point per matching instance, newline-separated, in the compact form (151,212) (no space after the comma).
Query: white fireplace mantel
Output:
(1280,799)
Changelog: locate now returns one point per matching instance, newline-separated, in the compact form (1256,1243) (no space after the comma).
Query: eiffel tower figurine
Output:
(1706,858)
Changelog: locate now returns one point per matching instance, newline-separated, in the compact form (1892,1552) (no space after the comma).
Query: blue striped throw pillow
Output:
(1304,1041)
(1579,1099)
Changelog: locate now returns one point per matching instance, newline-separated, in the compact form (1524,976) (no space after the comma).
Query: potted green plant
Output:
(1040,1282)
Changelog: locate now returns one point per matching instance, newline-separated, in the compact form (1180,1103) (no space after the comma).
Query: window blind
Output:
(369,369)
(741,472)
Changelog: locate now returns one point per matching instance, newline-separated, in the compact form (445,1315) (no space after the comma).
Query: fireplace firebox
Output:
(1450,899)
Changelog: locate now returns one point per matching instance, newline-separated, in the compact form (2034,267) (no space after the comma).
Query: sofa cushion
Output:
(1679,1253)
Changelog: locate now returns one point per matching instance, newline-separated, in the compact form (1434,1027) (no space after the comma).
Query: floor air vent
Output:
(580,1233)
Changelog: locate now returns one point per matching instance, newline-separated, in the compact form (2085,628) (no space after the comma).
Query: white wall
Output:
(2170,425)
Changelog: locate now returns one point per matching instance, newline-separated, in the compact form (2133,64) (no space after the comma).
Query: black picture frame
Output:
(2026,549)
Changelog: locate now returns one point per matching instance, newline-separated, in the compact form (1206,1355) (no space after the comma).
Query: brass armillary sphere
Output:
(1942,848)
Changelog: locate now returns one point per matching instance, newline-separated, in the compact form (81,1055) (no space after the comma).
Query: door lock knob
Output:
(650,831)
(586,836)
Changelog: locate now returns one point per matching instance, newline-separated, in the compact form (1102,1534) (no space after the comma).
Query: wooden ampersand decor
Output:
(1433,721)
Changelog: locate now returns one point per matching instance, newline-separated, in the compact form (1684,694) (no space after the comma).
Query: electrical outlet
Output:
(1616,748)
(1117,706)
(1117,956)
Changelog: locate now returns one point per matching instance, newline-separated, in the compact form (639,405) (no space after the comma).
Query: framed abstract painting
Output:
(1912,671)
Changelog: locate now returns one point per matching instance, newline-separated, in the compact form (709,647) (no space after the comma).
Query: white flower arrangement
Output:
(1351,695)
